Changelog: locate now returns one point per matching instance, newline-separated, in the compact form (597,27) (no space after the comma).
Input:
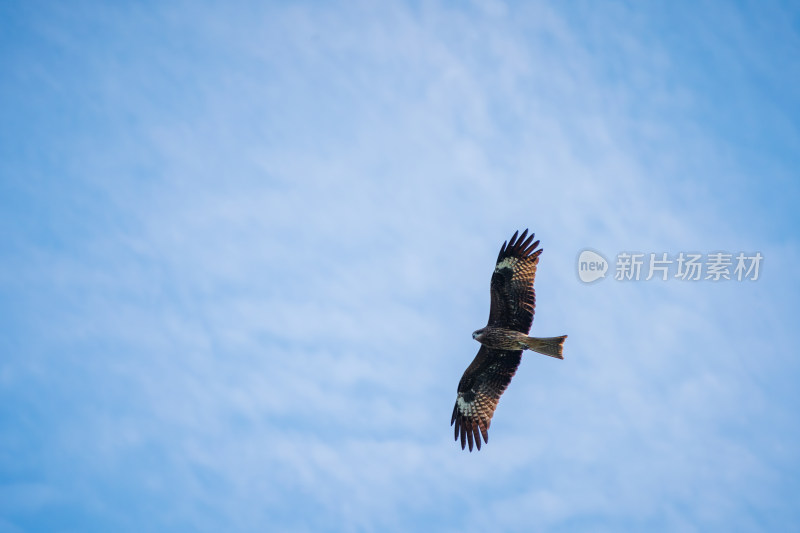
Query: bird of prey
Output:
(502,340)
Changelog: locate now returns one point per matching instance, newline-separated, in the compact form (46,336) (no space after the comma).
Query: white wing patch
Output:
(508,262)
(464,407)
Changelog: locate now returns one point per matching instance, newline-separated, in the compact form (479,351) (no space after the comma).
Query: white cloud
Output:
(269,317)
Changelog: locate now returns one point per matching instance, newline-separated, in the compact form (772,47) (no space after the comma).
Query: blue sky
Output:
(243,247)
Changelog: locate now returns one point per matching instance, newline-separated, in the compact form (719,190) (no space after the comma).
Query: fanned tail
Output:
(551,346)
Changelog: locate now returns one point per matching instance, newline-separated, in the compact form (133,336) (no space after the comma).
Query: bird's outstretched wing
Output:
(479,390)
(513,297)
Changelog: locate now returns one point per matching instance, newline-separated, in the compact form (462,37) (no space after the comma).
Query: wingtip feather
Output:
(470,430)
(513,240)
(525,244)
(531,250)
(502,250)
(476,431)
(522,237)
(520,245)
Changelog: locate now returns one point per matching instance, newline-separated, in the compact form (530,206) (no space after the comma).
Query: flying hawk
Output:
(502,340)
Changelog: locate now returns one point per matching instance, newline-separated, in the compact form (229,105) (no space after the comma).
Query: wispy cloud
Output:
(251,243)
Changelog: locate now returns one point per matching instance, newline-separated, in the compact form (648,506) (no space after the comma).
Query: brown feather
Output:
(479,390)
(513,299)
(513,302)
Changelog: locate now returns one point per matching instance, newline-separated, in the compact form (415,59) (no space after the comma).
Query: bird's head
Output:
(478,334)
